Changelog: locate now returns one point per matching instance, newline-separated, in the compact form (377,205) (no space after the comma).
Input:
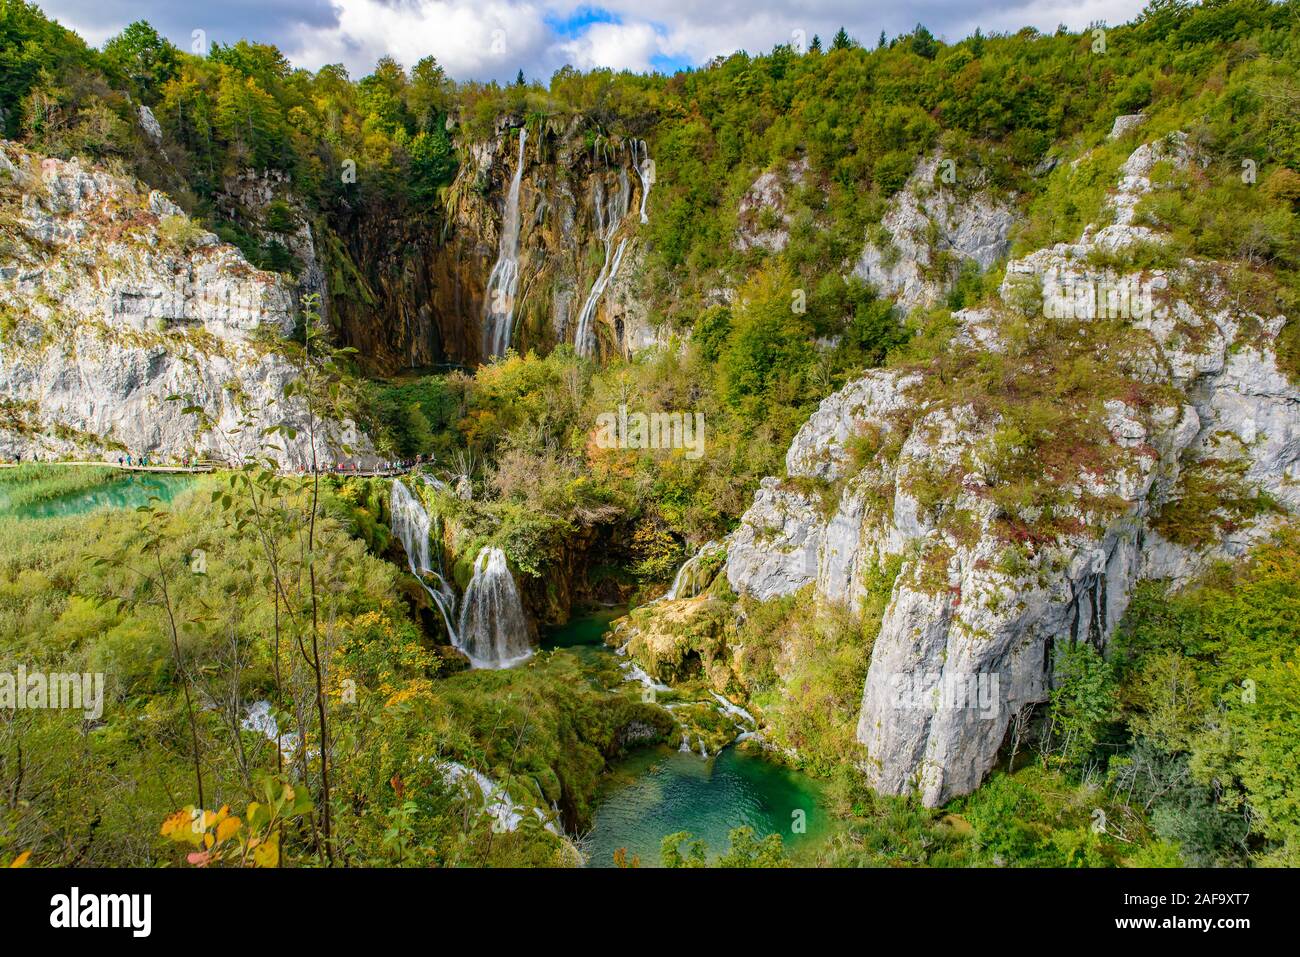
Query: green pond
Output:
(130,491)
(658,791)
(584,635)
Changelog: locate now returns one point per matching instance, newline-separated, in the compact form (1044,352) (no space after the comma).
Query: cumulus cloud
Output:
(492,39)
(470,38)
(619,46)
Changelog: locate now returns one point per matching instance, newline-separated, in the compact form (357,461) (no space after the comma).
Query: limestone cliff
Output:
(111,301)
(580,201)
(931,230)
(1094,424)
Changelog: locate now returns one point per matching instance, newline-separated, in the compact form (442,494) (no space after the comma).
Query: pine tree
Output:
(842,40)
(924,43)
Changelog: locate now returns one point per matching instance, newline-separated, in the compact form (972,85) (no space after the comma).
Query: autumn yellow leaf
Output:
(21,859)
(174,822)
(227,829)
(267,854)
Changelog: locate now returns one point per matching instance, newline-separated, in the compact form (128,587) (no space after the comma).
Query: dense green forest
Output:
(1156,736)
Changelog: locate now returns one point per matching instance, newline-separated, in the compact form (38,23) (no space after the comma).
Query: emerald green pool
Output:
(658,791)
(584,635)
(130,491)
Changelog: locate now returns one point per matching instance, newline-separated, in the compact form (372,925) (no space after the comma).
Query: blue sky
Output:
(493,39)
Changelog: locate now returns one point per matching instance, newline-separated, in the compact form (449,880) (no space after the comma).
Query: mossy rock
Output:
(677,640)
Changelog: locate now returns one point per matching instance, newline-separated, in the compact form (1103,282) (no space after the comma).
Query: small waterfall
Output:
(608,222)
(261,720)
(411,525)
(506,813)
(503,283)
(493,631)
(642,167)
(435,483)
(691,578)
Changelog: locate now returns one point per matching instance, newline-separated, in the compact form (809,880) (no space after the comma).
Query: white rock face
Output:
(149,123)
(926,219)
(763,221)
(774,551)
(974,618)
(111,301)
(1125,123)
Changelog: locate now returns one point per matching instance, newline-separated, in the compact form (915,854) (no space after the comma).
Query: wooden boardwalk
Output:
(159,469)
(206,467)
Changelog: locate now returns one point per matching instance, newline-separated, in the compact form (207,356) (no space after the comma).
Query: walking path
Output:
(189,469)
(205,467)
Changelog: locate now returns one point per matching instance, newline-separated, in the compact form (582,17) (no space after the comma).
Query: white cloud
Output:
(618,46)
(483,39)
(470,38)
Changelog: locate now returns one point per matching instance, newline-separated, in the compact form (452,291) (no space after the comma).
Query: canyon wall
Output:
(413,295)
(1187,395)
(1094,423)
(117,312)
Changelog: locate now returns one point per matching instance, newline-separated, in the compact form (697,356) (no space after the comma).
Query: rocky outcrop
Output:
(112,301)
(264,201)
(1125,124)
(931,229)
(675,640)
(762,220)
(1138,426)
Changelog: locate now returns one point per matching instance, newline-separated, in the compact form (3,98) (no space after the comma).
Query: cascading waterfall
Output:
(641,163)
(691,578)
(503,283)
(437,484)
(493,630)
(411,525)
(607,223)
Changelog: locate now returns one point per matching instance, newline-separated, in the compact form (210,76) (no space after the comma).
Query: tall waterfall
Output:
(503,283)
(608,220)
(411,525)
(494,633)
(641,163)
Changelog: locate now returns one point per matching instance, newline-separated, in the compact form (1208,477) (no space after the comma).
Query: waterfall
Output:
(411,525)
(506,813)
(503,283)
(608,220)
(642,167)
(261,720)
(690,579)
(435,483)
(493,631)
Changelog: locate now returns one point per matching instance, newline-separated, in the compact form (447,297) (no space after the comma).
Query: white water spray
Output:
(411,525)
(692,578)
(644,171)
(493,630)
(608,220)
(503,283)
